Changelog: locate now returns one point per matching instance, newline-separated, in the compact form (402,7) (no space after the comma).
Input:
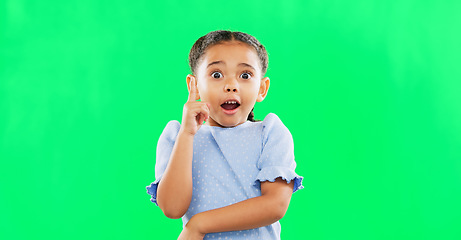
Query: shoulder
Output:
(272,121)
(170,131)
(271,118)
(173,124)
(273,125)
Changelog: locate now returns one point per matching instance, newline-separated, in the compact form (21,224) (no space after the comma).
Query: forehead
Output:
(232,53)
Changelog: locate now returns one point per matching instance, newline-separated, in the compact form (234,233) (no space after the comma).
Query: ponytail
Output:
(251,116)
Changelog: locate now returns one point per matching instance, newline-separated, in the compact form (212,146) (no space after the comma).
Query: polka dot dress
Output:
(228,166)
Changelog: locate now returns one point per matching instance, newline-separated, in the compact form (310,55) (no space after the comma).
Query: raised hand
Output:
(194,112)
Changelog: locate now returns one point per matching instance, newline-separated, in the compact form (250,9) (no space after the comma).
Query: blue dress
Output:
(228,166)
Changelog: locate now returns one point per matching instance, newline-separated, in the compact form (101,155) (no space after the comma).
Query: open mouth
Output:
(230,105)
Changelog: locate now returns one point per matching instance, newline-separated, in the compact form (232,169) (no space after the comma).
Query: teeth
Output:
(231,102)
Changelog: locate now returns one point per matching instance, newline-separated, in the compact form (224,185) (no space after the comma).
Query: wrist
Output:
(185,133)
(196,224)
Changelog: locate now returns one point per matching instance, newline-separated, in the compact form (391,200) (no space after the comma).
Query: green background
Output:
(370,91)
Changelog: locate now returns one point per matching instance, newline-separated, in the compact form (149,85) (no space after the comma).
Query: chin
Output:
(231,123)
(226,124)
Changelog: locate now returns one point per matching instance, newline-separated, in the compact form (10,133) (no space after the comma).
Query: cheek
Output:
(207,92)
(252,90)
(205,85)
(202,88)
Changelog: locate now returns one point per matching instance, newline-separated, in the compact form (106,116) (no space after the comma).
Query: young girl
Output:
(227,175)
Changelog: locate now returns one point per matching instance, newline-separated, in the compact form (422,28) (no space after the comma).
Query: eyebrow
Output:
(240,64)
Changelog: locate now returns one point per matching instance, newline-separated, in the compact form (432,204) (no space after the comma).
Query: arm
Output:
(174,191)
(251,213)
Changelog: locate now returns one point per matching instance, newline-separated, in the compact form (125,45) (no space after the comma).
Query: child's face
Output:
(230,71)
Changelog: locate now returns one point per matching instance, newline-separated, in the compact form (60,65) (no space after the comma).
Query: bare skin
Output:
(173,200)
(175,189)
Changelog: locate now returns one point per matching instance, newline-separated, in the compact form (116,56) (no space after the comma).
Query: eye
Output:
(246,75)
(216,75)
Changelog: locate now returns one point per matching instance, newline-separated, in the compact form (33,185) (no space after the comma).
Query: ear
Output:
(188,80)
(263,88)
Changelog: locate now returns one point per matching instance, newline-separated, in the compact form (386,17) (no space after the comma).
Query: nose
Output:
(231,86)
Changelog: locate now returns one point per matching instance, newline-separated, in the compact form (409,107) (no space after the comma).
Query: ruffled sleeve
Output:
(164,148)
(277,156)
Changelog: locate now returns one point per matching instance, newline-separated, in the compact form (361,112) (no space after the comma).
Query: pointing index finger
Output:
(192,90)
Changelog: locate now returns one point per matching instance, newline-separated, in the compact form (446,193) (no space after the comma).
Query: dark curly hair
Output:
(215,37)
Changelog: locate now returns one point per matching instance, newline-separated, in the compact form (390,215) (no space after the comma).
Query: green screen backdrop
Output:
(370,90)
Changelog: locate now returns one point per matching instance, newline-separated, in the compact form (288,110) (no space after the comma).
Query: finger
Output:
(206,110)
(203,113)
(197,107)
(201,119)
(192,90)
(208,115)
